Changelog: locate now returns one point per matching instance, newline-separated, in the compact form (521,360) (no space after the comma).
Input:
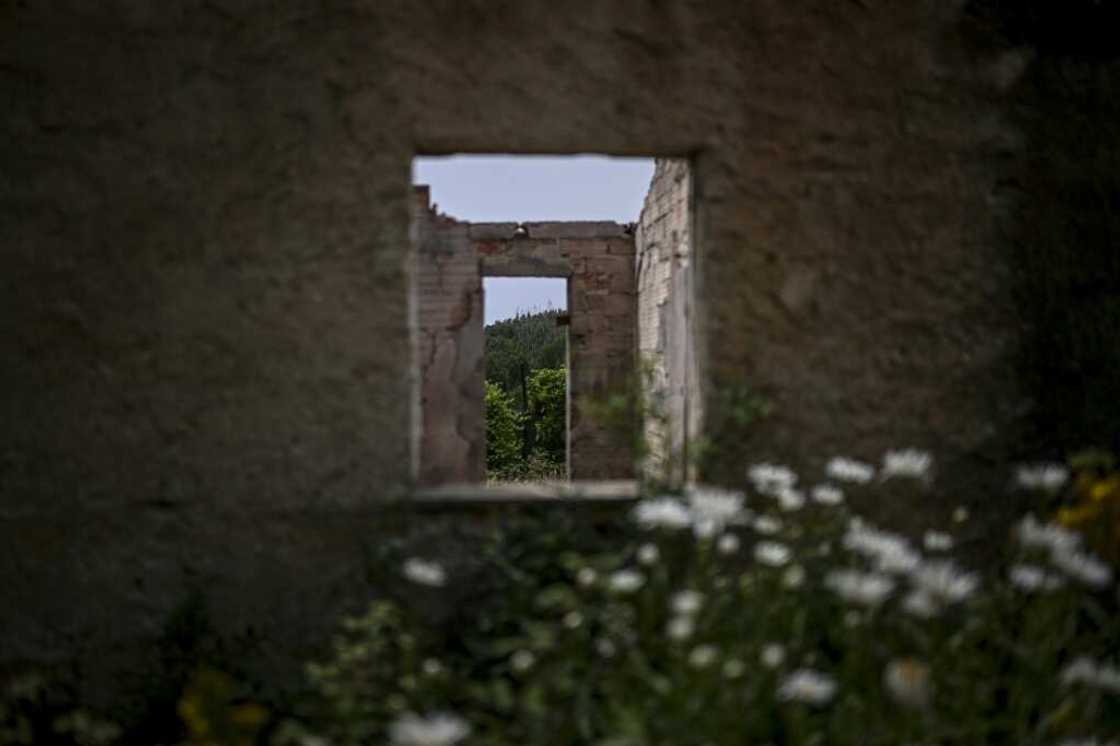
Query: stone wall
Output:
(665,315)
(204,278)
(450,349)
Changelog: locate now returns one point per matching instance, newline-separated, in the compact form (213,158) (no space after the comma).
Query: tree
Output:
(503,431)
(526,342)
(548,398)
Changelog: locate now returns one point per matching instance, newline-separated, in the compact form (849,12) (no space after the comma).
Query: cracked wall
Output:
(666,343)
(450,349)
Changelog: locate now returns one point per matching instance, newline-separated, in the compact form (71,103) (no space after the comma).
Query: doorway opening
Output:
(526,397)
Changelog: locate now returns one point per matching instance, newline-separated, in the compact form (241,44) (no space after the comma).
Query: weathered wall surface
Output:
(450,349)
(666,347)
(204,365)
(1059,206)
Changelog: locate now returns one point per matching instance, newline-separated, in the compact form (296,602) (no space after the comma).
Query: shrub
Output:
(548,407)
(710,619)
(503,431)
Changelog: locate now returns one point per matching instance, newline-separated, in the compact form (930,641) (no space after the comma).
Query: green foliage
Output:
(516,347)
(526,401)
(714,618)
(547,410)
(216,712)
(691,635)
(731,413)
(544,424)
(33,711)
(503,431)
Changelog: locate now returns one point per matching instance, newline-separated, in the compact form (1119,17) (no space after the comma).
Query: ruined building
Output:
(902,233)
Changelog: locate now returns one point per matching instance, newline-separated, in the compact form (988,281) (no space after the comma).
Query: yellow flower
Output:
(191,714)
(1105,489)
(1077,515)
(249,715)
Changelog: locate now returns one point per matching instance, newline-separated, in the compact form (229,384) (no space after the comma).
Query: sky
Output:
(526,188)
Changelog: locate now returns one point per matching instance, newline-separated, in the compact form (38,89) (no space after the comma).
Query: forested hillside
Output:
(526,397)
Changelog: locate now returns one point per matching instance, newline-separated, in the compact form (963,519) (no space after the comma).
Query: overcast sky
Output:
(527,188)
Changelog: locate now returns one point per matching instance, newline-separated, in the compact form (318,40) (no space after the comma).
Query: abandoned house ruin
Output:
(894,222)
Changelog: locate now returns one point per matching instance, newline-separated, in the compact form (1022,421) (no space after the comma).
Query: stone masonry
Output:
(666,338)
(597,258)
(450,348)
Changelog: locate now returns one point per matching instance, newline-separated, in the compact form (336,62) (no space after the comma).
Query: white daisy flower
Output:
(437,729)
(1084,670)
(648,554)
(728,544)
(826,494)
(715,505)
(733,668)
(1032,578)
(1049,536)
(680,628)
(766,525)
(587,577)
(890,552)
(920,604)
(849,470)
(793,577)
(944,582)
(937,541)
(626,581)
(770,478)
(808,686)
(1042,477)
(662,512)
(605,648)
(790,499)
(865,589)
(702,656)
(1065,551)
(572,620)
(909,462)
(424,572)
(772,553)
(773,655)
(1082,567)
(960,514)
(522,661)
(907,680)
(686,602)
(705,528)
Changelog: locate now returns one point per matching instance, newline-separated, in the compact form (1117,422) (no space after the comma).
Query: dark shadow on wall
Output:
(1063,219)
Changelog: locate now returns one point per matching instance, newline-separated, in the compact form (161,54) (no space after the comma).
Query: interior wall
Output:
(666,348)
(450,351)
